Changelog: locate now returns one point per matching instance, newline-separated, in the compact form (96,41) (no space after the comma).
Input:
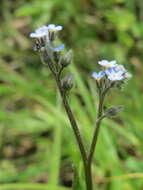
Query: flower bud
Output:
(56,55)
(113,111)
(45,56)
(128,75)
(67,82)
(66,60)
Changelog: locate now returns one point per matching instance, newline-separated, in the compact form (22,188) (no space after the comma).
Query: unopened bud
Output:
(113,111)
(128,75)
(45,56)
(67,82)
(66,60)
(56,55)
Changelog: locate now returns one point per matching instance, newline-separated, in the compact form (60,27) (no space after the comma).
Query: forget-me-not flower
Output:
(107,64)
(99,75)
(44,30)
(40,32)
(120,67)
(54,28)
(114,75)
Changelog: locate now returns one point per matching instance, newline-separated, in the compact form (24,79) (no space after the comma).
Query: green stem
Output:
(72,121)
(88,178)
(87,159)
(97,128)
(87,170)
(70,115)
(94,139)
(31,186)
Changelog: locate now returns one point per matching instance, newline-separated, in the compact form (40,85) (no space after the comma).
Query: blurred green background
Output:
(36,142)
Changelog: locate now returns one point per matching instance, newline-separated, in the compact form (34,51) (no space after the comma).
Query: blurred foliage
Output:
(36,142)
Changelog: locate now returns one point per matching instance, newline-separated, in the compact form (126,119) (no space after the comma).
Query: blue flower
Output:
(107,64)
(114,75)
(45,30)
(58,48)
(99,75)
(54,28)
(120,67)
(40,32)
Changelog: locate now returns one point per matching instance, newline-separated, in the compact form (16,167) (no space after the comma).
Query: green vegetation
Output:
(36,142)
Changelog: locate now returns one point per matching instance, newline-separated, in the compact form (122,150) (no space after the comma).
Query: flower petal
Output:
(58,48)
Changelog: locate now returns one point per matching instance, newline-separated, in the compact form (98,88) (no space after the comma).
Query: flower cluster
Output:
(46,34)
(45,30)
(51,54)
(111,74)
(112,71)
(40,32)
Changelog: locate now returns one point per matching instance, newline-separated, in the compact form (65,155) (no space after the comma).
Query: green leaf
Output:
(121,19)
(32,186)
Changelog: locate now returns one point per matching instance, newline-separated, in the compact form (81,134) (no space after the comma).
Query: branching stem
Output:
(75,128)
(86,158)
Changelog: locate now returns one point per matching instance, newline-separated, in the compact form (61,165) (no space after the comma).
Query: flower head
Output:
(40,32)
(120,67)
(114,75)
(99,75)
(54,28)
(107,64)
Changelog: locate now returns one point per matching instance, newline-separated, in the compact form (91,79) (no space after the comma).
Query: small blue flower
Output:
(114,75)
(40,32)
(54,28)
(58,48)
(120,67)
(107,64)
(99,75)
(45,30)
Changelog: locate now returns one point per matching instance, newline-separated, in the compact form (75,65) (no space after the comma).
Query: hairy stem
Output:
(72,121)
(70,115)
(75,128)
